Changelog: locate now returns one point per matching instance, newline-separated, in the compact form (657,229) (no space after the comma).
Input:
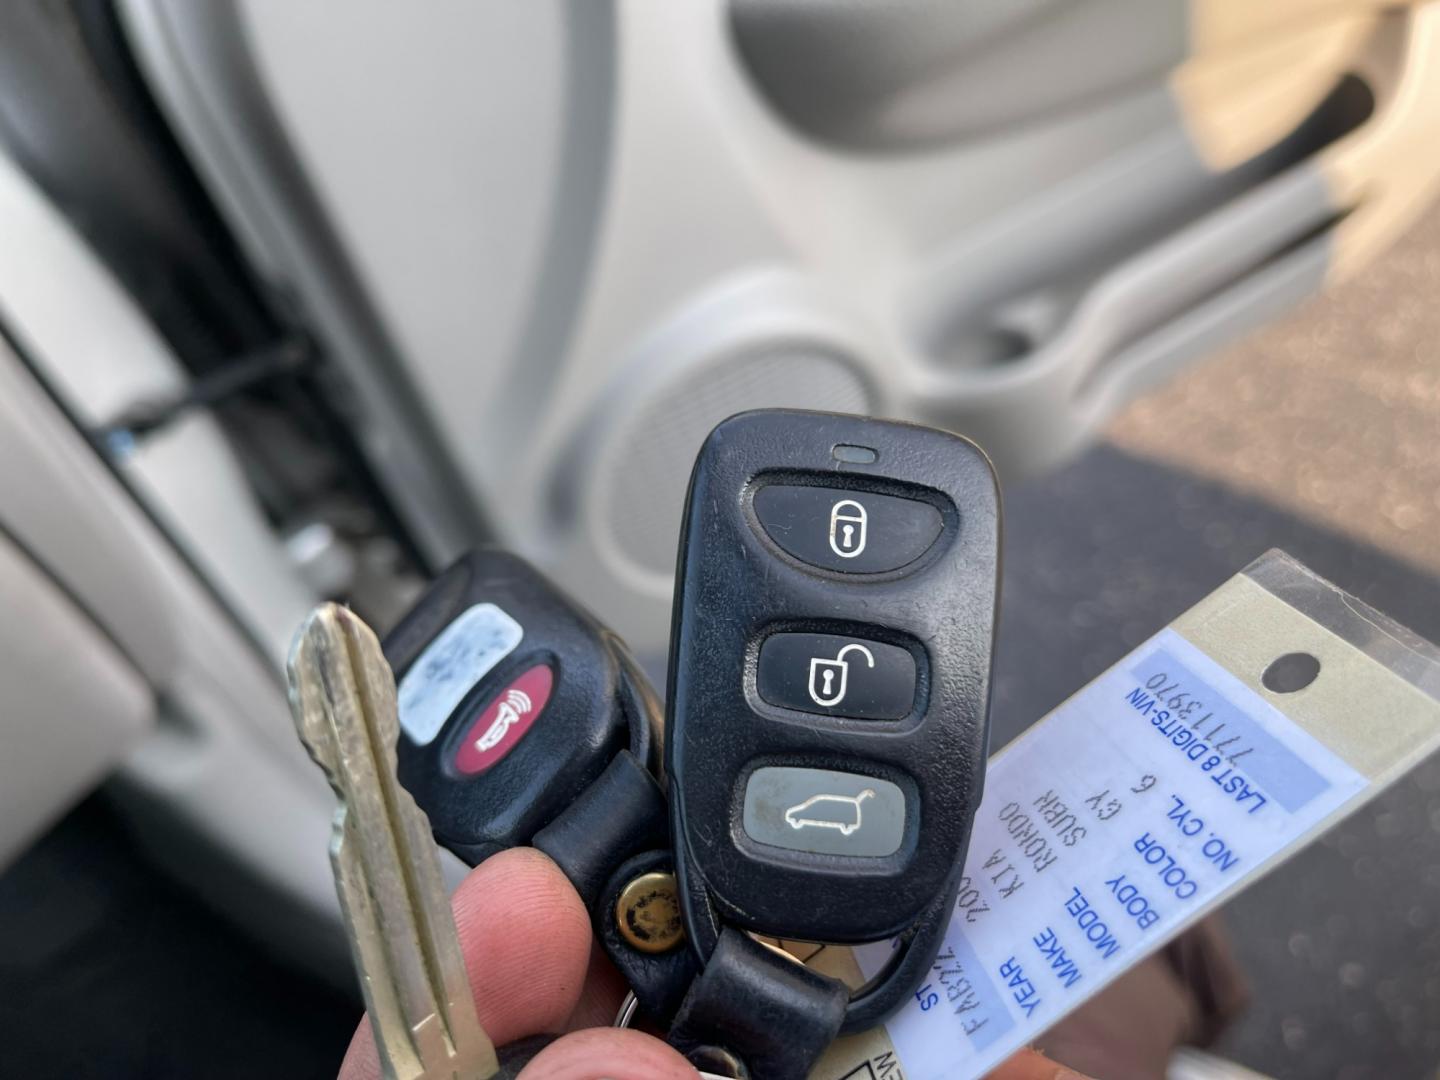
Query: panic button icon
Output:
(504,720)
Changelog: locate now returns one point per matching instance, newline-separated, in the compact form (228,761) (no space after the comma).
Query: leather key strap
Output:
(771,1012)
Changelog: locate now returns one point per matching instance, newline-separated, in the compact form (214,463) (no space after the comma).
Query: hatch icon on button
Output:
(844,808)
(824,811)
(849,523)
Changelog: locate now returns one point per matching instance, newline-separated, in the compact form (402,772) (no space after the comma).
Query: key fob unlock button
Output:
(836,675)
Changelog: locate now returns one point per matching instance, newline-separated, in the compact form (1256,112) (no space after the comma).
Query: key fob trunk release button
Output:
(836,676)
(854,532)
(824,812)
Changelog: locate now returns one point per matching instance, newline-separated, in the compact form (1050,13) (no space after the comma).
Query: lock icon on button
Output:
(829,679)
(848,523)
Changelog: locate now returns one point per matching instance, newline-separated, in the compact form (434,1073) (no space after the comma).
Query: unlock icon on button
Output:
(829,679)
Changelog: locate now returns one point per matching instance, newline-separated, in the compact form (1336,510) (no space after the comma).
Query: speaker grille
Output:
(653,465)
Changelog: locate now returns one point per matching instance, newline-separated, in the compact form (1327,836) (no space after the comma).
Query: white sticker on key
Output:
(1162,787)
(451,665)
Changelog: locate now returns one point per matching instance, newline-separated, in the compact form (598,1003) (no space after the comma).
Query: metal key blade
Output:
(401,928)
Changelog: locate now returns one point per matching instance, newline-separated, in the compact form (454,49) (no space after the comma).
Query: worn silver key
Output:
(387,873)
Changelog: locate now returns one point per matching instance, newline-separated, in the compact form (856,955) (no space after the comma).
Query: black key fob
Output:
(523,720)
(513,701)
(830,684)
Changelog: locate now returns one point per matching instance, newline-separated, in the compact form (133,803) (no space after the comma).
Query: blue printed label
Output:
(1232,749)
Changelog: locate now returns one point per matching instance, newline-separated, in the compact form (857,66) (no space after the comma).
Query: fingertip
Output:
(605,989)
(361,1061)
(525,936)
(608,1054)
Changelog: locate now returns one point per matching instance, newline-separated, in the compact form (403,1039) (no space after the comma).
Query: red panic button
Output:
(504,721)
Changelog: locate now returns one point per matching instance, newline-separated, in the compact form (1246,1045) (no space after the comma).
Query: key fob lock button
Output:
(854,532)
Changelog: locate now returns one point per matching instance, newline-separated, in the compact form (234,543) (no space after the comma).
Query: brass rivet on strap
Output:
(648,913)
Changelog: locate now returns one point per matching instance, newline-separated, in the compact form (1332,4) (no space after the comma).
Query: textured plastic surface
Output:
(597,706)
(734,588)
(836,675)
(856,532)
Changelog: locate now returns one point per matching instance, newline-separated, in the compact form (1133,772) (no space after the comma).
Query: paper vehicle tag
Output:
(1145,801)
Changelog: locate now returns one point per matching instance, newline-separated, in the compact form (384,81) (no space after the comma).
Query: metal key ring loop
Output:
(626,1014)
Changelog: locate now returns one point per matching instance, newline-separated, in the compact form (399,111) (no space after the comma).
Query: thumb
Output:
(608,1054)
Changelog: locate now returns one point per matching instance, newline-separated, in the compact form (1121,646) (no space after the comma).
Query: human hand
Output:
(535,969)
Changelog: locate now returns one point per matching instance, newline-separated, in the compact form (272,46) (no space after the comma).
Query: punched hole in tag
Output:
(1291,672)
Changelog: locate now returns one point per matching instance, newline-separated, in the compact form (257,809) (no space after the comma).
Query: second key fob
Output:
(830,683)
(513,701)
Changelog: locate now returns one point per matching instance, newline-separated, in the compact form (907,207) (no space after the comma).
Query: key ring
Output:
(626,1015)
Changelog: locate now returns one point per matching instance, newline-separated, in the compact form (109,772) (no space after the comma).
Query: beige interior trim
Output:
(1224,25)
(1389,169)
(1257,69)
(1238,101)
